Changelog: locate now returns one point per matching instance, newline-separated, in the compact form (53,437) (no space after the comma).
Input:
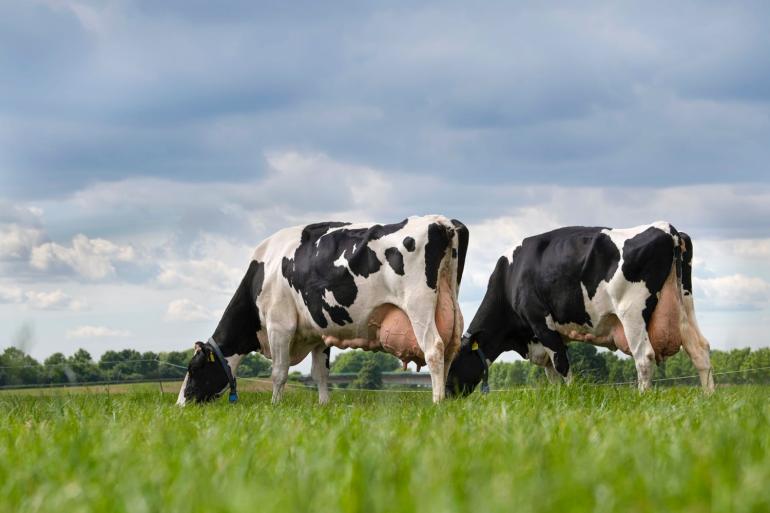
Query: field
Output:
(551,449)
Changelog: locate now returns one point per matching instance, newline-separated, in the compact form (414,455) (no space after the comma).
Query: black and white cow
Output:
(627,289)
(386,287)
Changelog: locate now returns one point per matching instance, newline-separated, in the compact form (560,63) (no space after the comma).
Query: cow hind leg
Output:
(696,346)
(320,372)
(421,316)
(640,347)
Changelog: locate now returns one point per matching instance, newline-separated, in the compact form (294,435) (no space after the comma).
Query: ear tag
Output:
(233,397)
(475,346)
(211,357)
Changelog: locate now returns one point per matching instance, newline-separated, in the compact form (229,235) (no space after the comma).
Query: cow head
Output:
(467,368)
(206,378)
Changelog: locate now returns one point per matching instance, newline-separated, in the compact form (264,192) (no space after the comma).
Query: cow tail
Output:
(460,246)
(686,263)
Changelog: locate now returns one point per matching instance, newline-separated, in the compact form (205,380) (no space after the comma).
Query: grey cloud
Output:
(502,93)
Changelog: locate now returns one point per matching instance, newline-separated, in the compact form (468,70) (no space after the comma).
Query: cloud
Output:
(18,241)
(96,332)
(207,275)
(90,258)
(41,300)
(733,292)
(54,300)
(524,93)
(186,310)
(10,294)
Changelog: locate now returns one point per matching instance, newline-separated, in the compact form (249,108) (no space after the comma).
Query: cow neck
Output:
(237,330)
(496,327)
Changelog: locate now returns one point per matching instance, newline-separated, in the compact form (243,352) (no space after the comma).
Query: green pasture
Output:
(560,449)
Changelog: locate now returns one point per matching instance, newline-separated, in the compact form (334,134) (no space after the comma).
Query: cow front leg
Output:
(557,363)
(279,340)
(552,375)
(320,372)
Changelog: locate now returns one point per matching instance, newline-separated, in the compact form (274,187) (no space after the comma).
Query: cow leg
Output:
(279,340)
(429,340)
(553,376)
(696,346)
(557,351)
(640,346)
(320,372)
(543,357)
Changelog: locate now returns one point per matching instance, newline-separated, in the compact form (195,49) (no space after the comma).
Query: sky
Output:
(147,147)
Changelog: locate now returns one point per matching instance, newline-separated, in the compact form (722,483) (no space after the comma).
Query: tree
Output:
(84,368)
(586,364)
(20,368)
(353,361)
(178,363)
(254,365)
(56,369)
(369,377)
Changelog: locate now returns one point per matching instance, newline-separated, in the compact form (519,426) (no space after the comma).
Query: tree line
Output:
(588,365)
(18,368)
(591,366)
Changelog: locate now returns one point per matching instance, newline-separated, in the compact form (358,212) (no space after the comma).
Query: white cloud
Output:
(54,300)
(208,275)
(96,332)
(90,258)
(40,300)
(17,241)
(10,294)
(733,292)
(186,310)
(319,174)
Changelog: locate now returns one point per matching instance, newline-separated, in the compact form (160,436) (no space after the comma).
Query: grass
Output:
(553,449)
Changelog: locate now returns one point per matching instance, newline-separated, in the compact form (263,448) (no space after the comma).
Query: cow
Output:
(627,289)
(390,287)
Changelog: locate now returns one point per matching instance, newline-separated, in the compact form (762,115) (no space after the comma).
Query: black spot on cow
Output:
(409,244)
(439,240)
(554,264)
(236,332)
(601,262)
(395,259)
(647,257)
(312,270)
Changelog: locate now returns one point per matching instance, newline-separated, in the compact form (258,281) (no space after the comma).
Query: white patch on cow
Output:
(342,262)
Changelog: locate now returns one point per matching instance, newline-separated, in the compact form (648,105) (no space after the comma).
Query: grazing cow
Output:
(386,287)
(627,289)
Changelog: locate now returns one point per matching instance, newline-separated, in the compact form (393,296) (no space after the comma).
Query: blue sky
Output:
(146,147)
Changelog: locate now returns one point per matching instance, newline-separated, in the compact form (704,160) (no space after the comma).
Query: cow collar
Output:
(475,347)
(228,372)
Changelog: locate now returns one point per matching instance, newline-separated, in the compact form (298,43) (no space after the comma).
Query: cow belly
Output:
(392,331)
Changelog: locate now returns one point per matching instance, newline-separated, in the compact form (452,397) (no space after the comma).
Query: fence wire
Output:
(159,379)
